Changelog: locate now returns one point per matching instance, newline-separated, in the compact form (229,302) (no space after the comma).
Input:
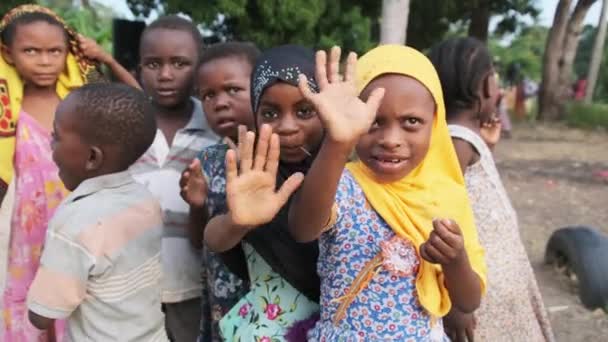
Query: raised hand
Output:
(251,189)
(193,187)
(92,50)
(343,114)
(445,244)
(490,131)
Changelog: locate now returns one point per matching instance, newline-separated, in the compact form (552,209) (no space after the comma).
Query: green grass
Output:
(592,115)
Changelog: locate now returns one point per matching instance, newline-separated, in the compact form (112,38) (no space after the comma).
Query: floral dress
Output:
(512,309)
(38,192)
(387,307)
(270,308)
(271,305)
(222,289)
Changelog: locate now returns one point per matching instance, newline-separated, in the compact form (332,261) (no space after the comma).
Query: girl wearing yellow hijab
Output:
(41,61)
(397,239)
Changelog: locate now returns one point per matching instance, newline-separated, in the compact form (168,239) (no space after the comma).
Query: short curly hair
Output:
(115,114)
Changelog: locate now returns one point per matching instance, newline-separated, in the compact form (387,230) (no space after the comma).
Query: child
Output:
(390,266)
(42,60)
(100,267)
(223,78)
(513,307)
(169,53)
(284,286)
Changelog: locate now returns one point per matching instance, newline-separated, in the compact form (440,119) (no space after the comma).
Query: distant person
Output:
(513,308)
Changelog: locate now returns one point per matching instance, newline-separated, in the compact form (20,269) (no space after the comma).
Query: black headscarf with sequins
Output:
(295,262)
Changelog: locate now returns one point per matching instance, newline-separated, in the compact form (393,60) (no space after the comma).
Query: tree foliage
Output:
(317,23)
(526,49)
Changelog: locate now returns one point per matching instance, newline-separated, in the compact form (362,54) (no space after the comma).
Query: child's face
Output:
(168,59)
(399,138)
(224,92)
(293,118)
(70,152)
(38,52)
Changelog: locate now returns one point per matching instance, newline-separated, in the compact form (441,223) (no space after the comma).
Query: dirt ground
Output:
(553,175)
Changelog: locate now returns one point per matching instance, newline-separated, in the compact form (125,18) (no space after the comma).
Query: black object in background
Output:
(126,35)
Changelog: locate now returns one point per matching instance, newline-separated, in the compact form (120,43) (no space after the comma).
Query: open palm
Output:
(343,114)
(251,189)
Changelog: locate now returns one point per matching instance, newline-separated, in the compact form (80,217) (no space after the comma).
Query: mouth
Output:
(45,76)
(389,163)
(166,92)
(226,123)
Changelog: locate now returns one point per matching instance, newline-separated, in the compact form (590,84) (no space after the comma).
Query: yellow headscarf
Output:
(435,189)
(11,86)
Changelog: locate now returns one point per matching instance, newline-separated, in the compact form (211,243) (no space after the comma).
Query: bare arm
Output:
(92,50)
(463,285)
(310,210)
(197,220)
(222,234)
(40,322)
(120,72)
(465,152)
(445,246)
(3,190)
(345,118)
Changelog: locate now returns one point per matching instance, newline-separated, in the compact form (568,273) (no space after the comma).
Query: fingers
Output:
(350,72)
(375,99)
(230,143)
(241,142)
(432,255)
(448,231)
(274,151)
(470,333)
(425,255)
(183,181)
(334,65)
(321,69)
(231,168)
(261,150)
(246,157)
(305,89)
(289,187)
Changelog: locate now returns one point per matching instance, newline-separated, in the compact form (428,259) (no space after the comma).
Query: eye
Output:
(233,90)
(306,112)
(30,51)
(269,114)
(180,64)
(56,52)
(411,122)
(151,65)
(206,96)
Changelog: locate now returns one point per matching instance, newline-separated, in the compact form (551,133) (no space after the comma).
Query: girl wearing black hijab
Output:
(284,286)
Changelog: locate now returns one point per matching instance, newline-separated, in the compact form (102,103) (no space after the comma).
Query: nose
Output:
(391,138)
(166,73)
(45,59)
(287,125)
(221,101)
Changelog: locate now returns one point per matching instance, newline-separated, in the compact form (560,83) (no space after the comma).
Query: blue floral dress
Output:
(223,288)
(387,308)
(271,305)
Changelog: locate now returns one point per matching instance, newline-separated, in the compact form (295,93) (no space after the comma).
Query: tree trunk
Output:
(480,21)
(596,57)
(559,56)
(393,25)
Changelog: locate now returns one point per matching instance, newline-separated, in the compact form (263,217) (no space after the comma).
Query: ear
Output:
(6,54)
(487,86)
(95,160)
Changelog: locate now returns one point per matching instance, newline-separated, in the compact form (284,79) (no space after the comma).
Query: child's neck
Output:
(170,120)
(40,103)
(467,118)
